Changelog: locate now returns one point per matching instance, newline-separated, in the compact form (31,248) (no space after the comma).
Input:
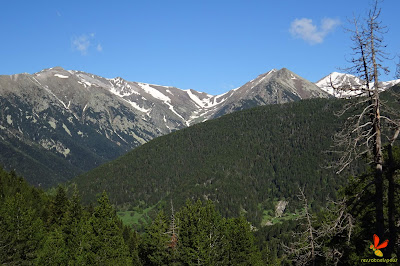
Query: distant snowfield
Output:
(153,92)
(340,79)
(137,107)
(196,99)
(61,76)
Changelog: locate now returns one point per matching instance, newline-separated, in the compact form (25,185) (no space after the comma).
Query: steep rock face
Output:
(56,123)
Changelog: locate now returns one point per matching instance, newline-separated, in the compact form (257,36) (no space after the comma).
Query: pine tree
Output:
(131,238)
(241,249)
(21,231)
(154,246)
(58,207)
(200,234)
(103,242)
(54,250)
(72,226)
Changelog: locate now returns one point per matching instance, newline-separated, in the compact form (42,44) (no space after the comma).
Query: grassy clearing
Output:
(270,219)
(137,218)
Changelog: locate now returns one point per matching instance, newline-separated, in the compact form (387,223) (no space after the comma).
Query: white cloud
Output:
(306,30)
(329,24)
(81,44)
(84,42)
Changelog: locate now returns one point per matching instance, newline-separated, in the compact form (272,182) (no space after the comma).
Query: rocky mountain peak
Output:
(347,80)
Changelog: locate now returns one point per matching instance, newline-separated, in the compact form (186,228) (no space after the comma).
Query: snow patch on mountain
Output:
(9,120)
(173,110)
(61,76)
(391,83)
(67,129)
(217,100)
(85,83)
(137,107)
(202,103)
(154,92)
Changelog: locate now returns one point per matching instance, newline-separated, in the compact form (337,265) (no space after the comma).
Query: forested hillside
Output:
(245,162)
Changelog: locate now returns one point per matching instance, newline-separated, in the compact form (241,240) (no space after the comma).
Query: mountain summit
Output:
(273,87)
(341,80)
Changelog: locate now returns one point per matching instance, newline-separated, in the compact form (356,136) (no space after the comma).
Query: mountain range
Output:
(56,124)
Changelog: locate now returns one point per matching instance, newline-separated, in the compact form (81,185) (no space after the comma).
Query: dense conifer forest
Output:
(239,161)
(39,228)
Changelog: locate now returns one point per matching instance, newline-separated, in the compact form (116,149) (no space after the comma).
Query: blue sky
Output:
(210,46)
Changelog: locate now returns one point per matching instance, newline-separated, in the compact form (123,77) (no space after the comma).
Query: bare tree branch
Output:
(310,243)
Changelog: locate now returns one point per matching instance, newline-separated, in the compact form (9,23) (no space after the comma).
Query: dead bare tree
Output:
(307,248)
(310,246)
(339,225)
(362,134)
(173,230)
(397,74)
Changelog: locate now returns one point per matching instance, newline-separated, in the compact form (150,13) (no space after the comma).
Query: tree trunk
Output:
(378,161)
(378,158)
(391,202)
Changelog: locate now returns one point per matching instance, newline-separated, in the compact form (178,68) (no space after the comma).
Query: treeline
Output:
(41,229)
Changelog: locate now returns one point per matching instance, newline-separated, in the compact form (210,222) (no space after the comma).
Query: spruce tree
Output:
(103,242)
(54,250)
(200,234)
(20,231)
(241,249)
(58,207)
(72,226)
(154,247)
